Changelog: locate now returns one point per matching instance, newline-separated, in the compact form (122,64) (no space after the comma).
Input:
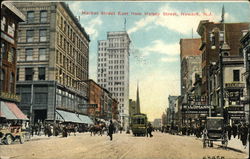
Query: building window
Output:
(42,54)
(236,75)
(221,36)
(11,56)
(2,81)
(3,23)
(12,86)
(41,73)
(3,50)
(28,74)
(30,17)
(29,35)
(42,35)
(43,16)
(29,54)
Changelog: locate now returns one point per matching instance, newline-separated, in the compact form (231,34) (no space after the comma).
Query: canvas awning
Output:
(11,111)
(85,119)
(65,116)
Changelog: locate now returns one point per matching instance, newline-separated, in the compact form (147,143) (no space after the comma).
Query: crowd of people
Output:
(240,130)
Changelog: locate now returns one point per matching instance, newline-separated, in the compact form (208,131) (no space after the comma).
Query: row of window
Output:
(29,74)
(116,78)
(102,65)
(29,54)
(43,16)
(102,43)
(71,51)
(118,45)
(122,39)
(116,72)
(102,49)
(116,61)
(68,31)
(30,34)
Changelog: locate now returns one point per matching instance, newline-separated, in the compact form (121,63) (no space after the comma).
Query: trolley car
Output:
(139,124)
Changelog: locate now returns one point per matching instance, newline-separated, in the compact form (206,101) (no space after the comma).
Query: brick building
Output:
(212,36)
(9,101)
(107,106)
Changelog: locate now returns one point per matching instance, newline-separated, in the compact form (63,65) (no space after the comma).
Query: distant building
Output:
(190,57)
(52,62)
(113,70)
(157,123)
(107,106)
(171,109)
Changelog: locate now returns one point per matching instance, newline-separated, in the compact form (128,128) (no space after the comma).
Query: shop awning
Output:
(85,119)
(11,111)
(65,116)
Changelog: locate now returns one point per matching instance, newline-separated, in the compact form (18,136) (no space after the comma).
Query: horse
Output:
(94,129)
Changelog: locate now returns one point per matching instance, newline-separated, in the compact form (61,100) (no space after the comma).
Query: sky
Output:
(155,29)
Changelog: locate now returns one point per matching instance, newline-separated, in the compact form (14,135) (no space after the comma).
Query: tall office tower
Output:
(113,70)
(52,62)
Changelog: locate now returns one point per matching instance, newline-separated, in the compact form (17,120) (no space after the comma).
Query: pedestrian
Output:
(239,130)
(149,130)
(229,131)
(234,130)
(244,134)
(64,131)
(121,128)
(111,130)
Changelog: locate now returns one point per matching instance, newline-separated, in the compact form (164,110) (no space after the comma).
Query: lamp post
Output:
(31,101)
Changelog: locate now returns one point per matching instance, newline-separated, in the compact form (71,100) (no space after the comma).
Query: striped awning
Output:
(65,116)
(85,119)
(11,111)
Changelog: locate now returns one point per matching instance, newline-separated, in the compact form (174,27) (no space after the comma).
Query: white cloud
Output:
(160,47)
(182,24)
(75,7)
(169,59)
(141,23)
(92,26)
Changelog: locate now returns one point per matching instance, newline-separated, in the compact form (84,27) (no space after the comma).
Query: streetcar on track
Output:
(139,124)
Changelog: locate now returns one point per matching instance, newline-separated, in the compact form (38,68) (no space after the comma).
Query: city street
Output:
(123,146)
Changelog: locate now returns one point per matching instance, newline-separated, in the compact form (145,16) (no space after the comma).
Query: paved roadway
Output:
(123,146)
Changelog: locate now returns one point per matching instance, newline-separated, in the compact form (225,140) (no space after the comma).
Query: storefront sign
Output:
(236,111)
(198,109)
(234,85)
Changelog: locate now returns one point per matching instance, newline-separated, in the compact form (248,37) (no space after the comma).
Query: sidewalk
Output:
(237,144)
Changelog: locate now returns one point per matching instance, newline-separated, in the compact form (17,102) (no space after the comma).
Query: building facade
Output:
(113,70)
(234,87)
(245,41)
(171,109)
(212,37)
(106,105)
(10,18)
(189,55)
(53,60)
